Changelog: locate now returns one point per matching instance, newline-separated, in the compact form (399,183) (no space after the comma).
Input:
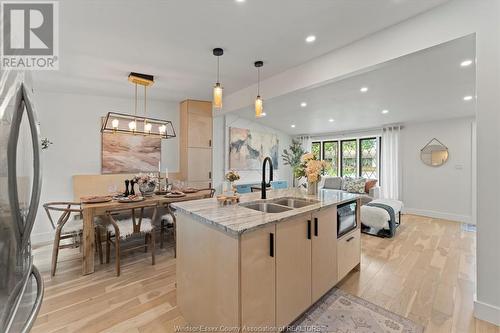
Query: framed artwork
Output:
(248,148)
(126,153)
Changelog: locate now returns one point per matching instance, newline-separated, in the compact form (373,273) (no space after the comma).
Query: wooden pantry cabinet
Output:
(196,143)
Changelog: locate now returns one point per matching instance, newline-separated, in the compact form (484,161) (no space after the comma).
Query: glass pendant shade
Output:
(217,100)
(259,107)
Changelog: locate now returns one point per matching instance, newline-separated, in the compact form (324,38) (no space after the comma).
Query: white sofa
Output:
(335,183)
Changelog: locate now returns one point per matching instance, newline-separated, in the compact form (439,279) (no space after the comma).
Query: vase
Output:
(147,190)
(230,188)
(312,188)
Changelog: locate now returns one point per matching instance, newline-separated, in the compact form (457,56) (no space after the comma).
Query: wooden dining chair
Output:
(67,228)
(122,226)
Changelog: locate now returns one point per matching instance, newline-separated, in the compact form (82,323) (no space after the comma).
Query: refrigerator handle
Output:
(37,169)
(12,166)
(38,301)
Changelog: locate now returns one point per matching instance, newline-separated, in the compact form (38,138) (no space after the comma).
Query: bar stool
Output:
(122,226)
(67,228)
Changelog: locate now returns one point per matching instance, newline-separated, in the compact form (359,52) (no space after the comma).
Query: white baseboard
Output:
(43,237)
(438,215)
(486,312)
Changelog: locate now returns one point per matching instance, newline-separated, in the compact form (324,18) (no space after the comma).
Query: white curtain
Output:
(390,166)
(306,142)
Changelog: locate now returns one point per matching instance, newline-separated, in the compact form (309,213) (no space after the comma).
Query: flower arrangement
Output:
(146,179)
(232,175)
(311,168)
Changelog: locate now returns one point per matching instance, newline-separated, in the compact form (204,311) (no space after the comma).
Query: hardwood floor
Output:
(425,273)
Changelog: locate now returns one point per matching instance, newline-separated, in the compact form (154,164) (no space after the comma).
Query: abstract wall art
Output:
(125,153)
(248,148)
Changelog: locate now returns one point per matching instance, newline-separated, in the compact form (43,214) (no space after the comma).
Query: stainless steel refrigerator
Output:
(21,286)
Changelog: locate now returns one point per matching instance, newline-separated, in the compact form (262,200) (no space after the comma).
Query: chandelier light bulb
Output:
(115,123)
(132,125)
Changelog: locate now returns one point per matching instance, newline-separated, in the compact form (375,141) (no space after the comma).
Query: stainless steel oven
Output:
(346,218)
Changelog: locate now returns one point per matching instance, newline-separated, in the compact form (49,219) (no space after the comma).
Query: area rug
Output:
(341,312)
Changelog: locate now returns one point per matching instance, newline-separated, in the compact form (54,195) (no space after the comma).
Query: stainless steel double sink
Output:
(279,205)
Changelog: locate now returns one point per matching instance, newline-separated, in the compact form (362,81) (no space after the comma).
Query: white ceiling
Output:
(423,86)
(102,41)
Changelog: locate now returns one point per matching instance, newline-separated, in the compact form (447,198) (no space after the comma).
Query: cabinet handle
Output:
(210,175)
(316,232)
(271,244)
(210,143)
(308,229)
(350,239)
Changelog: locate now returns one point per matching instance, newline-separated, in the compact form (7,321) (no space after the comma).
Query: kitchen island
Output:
(261,263)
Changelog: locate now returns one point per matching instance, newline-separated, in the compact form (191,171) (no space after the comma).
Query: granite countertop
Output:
(236,219)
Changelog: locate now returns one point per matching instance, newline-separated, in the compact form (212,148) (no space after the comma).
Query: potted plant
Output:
(311,168)
(147,183)
(292,158)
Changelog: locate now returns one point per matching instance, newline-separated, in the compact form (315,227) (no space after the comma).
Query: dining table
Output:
(91,210)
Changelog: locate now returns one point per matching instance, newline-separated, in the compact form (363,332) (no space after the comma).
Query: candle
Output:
(166,173)
(159,166)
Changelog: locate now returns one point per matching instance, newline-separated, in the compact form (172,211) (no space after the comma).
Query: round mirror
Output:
(434,153)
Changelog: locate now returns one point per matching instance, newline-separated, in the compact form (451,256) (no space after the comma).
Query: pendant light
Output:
(259,107)
(217,99)
(138,124)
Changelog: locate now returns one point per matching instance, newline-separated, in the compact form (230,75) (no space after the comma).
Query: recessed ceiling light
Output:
(466,63)
(240,0)
(331,120)
(310,38)
(292,126)
(303,104)
(363,89)
(385,111)
(263,114)
(467,98)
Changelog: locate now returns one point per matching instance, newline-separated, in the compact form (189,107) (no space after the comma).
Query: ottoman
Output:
(381,217)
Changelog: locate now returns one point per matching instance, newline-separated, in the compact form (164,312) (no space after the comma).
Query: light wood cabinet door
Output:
(293,268)
(324,252)
(203,108)
(199,130)
(200,164)
(258,285)
(349,252)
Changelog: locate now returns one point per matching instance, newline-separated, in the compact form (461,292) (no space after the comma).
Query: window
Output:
(316,149)
(349,158)
(368,158)
(330,154)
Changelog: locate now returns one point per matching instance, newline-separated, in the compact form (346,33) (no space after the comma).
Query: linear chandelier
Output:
(138,125)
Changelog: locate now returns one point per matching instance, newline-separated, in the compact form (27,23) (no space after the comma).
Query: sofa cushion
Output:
(355,185)
(370,183)
(333,183)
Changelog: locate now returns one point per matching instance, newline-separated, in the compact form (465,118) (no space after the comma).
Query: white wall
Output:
(221,150)
(72,122)
(441,192)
